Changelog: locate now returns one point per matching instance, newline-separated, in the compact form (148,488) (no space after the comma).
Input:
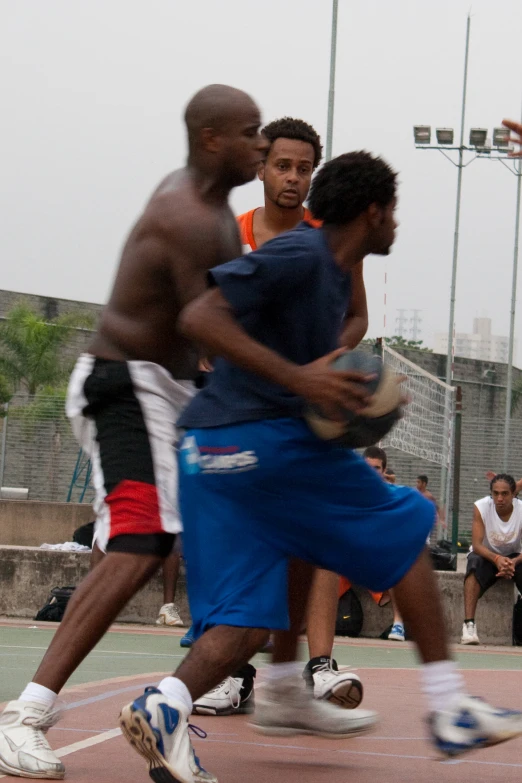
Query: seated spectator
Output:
(491,475)
(496,537)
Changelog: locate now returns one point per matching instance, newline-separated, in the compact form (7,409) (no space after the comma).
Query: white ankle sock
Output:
(442,684)
(176,690)
(278,671)
(38,693)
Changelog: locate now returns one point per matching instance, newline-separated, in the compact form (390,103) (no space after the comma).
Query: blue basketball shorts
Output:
(253,495)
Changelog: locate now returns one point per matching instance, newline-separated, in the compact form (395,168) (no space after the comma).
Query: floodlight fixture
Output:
(478,137)
(422,134)
(445,135)
(501,137)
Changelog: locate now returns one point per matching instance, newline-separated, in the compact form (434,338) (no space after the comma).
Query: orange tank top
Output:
(246,227)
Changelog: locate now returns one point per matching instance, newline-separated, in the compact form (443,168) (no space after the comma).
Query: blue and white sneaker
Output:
(397,633)
(158,729)
(472,724)
(188,639)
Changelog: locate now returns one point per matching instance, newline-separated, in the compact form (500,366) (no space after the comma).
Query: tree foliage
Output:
(31,349)
(398,342)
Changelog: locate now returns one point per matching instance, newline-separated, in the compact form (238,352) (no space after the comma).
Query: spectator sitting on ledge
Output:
(496,538)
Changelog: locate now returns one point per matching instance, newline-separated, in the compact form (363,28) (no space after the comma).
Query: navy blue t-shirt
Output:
(289,295)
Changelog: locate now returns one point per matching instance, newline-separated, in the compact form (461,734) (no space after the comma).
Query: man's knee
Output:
(237,644)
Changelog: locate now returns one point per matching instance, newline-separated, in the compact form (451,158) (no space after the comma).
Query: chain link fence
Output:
(39,454)
(38,450)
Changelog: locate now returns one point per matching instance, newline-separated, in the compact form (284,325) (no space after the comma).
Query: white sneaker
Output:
(169,615)
(397,633)
(157,728)
(343,688)
(469,633)
(472,724)
(233,696)
(24,750)
(287,707)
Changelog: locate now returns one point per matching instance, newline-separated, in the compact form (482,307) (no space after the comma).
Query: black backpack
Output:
(54,609)
(517,623)
(442,558)
(83,535)
(349,615)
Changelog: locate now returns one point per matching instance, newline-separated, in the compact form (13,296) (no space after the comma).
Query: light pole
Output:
(422,136)
(480,147)
(517,170)
(331,90)
(498,150)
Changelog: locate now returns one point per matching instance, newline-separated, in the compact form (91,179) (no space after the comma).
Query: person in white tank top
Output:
(496,547)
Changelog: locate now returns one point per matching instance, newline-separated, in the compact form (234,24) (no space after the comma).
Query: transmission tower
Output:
(415,329)
(400,323)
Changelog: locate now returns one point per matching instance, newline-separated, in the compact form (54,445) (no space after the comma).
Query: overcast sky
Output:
(92,94)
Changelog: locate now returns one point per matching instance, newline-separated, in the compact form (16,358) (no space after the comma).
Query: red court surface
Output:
(397,751)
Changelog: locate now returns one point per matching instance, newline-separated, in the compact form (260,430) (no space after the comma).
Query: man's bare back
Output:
(179,236)
(186,228)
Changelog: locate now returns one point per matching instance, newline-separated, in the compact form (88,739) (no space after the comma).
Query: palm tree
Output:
(32,361)
(31,348)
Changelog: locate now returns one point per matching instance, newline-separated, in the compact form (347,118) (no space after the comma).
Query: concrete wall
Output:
(494,612)
(483,386)
(31,523)
(27,575)
(48,306)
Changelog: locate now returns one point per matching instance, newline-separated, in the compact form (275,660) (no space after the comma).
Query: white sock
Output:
(278,671)
(39,693)
(442,684)
(176,690)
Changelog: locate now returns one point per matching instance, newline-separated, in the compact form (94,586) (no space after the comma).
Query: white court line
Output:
(98,652)
(107,735)
(274,746)
(86,743)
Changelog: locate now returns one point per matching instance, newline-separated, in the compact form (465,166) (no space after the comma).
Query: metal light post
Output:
(481,147)
(422,135)
(331,91)
(509,382)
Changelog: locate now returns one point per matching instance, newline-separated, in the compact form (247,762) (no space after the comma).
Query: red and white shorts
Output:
(124,416)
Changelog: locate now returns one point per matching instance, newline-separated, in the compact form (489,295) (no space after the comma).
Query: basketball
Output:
(358,430)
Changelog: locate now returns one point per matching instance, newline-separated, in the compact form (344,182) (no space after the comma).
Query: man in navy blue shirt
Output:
(257,487)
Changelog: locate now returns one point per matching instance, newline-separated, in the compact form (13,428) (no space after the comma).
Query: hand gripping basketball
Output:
(369,424)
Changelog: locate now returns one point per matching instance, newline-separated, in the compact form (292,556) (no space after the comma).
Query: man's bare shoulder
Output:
(177,210)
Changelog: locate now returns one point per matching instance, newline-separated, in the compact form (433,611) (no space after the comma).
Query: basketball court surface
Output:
(130,658)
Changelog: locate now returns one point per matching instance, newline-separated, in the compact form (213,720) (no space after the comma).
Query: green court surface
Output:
(126,653)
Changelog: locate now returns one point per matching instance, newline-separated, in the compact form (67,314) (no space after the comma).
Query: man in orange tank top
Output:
(293,155)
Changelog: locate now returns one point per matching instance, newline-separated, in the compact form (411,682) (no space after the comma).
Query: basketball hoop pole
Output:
(331,90)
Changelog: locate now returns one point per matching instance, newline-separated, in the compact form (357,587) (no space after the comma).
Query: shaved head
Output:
(217,106)
(223,134)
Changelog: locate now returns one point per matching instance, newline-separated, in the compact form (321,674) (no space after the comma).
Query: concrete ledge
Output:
(494,611)
(31,522)
(27,575)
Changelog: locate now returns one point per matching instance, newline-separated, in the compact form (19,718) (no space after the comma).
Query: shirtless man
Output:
(125,396)
(293,155)
(422,486)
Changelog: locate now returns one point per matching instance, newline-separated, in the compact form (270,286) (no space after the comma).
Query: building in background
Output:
(479,344)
